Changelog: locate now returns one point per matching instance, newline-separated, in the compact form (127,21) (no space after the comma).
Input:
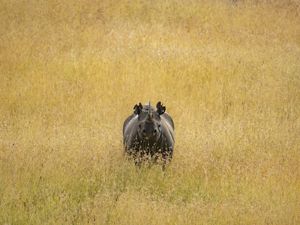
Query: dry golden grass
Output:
(228,72)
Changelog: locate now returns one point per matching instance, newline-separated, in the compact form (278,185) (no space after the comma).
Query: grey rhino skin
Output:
(149,133)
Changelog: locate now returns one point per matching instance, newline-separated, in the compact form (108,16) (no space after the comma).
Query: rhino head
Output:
(149,122)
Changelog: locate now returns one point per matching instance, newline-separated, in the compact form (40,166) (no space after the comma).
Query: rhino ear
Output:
(160,108)
(138,108)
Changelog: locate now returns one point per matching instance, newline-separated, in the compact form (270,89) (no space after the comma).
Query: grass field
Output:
(228,72)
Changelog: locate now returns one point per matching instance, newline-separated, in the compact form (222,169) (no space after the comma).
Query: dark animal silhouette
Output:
(149,134)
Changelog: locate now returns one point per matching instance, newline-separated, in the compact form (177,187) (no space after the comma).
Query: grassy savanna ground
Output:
(228,72)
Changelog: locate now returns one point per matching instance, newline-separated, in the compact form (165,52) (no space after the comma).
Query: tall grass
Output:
(228,72)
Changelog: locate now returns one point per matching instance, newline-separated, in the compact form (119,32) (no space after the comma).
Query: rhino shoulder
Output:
(127,122)
(169,119)
(168,132)
(130,130)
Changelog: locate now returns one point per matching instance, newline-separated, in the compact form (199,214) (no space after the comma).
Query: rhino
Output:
(149,134)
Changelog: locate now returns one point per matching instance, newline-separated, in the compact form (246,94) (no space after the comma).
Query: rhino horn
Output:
(150,113)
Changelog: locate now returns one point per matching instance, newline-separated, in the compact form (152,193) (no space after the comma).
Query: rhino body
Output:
(149,133)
